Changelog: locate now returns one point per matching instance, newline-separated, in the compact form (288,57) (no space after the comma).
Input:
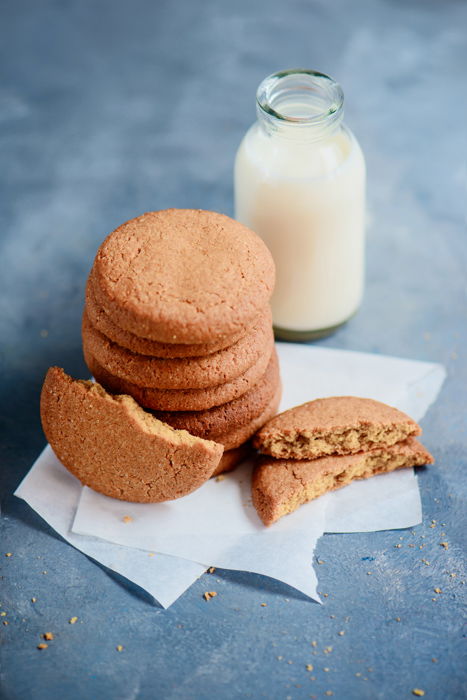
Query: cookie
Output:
(111,445)
(143,346)
(236,437)
(183,276)
(179,399)
(232,459)
(280,486)
(180,373)
(234,414)
(336,425)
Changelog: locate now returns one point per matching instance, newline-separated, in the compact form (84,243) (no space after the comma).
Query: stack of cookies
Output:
(177,316)
(325,444)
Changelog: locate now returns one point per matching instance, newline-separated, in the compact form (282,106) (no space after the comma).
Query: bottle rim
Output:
(319,89)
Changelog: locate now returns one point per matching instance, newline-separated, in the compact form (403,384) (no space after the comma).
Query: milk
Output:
(301,187)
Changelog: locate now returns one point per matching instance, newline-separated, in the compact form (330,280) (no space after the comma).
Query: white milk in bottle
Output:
(300,184)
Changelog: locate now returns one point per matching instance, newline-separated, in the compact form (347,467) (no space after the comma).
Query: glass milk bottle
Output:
(300,184)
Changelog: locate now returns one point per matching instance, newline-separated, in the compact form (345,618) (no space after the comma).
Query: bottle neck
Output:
(300,105)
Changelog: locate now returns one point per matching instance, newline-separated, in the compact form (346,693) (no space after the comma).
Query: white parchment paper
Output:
(216,525)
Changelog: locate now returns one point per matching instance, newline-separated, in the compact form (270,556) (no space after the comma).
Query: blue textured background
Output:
(109,109)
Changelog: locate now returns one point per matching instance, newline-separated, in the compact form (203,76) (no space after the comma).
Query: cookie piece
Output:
(336,425)
(229,416)
(183,276)
(280,486)
(236,437)
(111,445)
(179,399)
(100,320)
(180,373)
(232,458)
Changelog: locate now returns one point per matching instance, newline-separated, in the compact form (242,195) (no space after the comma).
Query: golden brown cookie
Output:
(231,415)
(236,437)
(179,399)
(335,425)
(232,458)
(143,346)
(183,276)
(280,486)
(180,373)
(111,445)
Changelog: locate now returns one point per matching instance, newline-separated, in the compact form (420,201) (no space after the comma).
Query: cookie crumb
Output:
(325,595)
(263,605)
(329,692)
(314,644)
(212,569)
(33,600)
(151,554)
(397,619)
(48,636)
(3,614)
(209,594)
(358,674)
(45,572)
(72,620)
(444,544)
(9,554)
(119,647)
(397,546)
(437,590)
(127,519)
(309,667)
(327,650)
(369,573)
(221,477)
(427,563)
(5,622)
(418,692)
(320,561)
(434,660)
(42,646)
(326,669)
(341,633)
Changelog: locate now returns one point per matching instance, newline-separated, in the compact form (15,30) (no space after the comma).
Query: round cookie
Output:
(179,399)
(234,414)
(231,458)
(143,346)
(180,373)
(238,436)
(111,445)
(183,276)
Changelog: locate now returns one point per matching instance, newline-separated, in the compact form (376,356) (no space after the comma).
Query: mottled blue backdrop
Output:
(109,109)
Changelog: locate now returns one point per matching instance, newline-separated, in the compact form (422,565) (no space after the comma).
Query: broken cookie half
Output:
(280,486)
(115,447)
(337,425)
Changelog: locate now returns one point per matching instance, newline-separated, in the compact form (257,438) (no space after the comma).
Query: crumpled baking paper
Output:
(217,525)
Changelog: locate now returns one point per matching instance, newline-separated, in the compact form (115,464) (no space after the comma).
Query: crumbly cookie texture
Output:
(183,276)
(179,399)
(280,486)
(113,446)
(102,321)
(337,425)
(180,373)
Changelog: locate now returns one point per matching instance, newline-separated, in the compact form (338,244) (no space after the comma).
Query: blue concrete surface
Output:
(109,109)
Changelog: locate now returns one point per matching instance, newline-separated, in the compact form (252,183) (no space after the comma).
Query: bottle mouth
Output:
(301,96)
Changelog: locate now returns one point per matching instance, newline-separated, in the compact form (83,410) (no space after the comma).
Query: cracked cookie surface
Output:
(115,447)
(280,486)
(335,425)
(183,276)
